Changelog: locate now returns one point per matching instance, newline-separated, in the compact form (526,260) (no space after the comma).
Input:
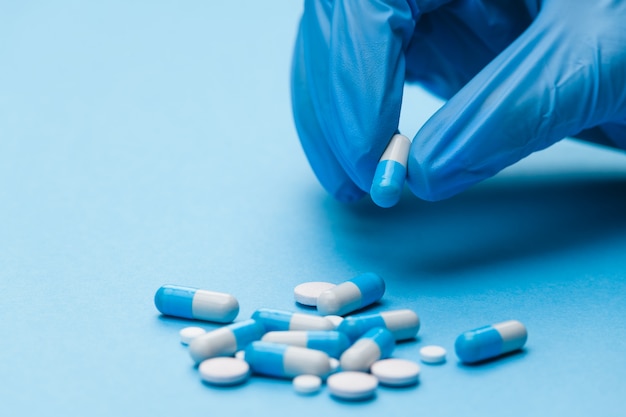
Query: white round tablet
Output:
(396,372)
(433,354)
(334,364)
(352,385)
(307,384)
(189,333)
(335,320)
(307,293)
(240,354)
(224,371)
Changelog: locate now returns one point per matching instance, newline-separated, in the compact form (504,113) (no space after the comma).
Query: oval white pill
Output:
(189,333)
(224,371)
(396,372)
(307,293)
(352,385)
(433,354)
(307,384)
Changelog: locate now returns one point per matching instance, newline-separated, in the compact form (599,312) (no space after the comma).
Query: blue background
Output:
(145,143)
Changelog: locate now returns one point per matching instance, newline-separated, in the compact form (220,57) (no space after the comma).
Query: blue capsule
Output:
(354,294)
(193,303)
(490,341)
(377,343)
(403,324)
(225,341)
(390,174)
(286,361)
(274,320)
(332,342)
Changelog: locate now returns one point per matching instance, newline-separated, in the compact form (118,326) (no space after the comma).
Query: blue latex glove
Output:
(519,76)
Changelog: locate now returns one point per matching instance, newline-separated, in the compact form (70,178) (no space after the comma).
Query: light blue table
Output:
(144,143)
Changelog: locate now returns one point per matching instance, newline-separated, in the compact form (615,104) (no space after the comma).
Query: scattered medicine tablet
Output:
(307,293)
(286,320)
(403,324)
(352,385)
(332,342)
(396,372)
(378,343)
(224,371)
(490,341)
(189,333)
(193,303)
(390,174)
(286,361)
(433,354)
(307,384)
(225,341)
(354,294)
(334,364)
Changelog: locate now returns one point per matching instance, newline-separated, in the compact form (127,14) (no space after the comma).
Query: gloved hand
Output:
(519,76)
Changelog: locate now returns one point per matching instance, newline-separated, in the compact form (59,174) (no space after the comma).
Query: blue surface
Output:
(145,143)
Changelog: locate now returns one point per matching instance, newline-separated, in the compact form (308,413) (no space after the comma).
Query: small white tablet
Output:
(307,293)
(396,372)
(307,384)
(433,354)
(352,385)
(189,333)
(224,371)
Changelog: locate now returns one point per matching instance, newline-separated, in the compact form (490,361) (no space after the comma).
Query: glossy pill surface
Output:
(286,361)
(490,341)
(225,341)
(194,303)
(390,175)
(351,295)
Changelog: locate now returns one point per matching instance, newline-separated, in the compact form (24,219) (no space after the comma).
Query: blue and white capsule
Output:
(352,295)
(332,343)
(390,174)
(194,303)
(377,343)
(274,320)
(225,341)
(490,341)
(284,361)
(403,324)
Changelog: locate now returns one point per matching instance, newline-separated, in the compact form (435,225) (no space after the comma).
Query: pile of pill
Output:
(352,354)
